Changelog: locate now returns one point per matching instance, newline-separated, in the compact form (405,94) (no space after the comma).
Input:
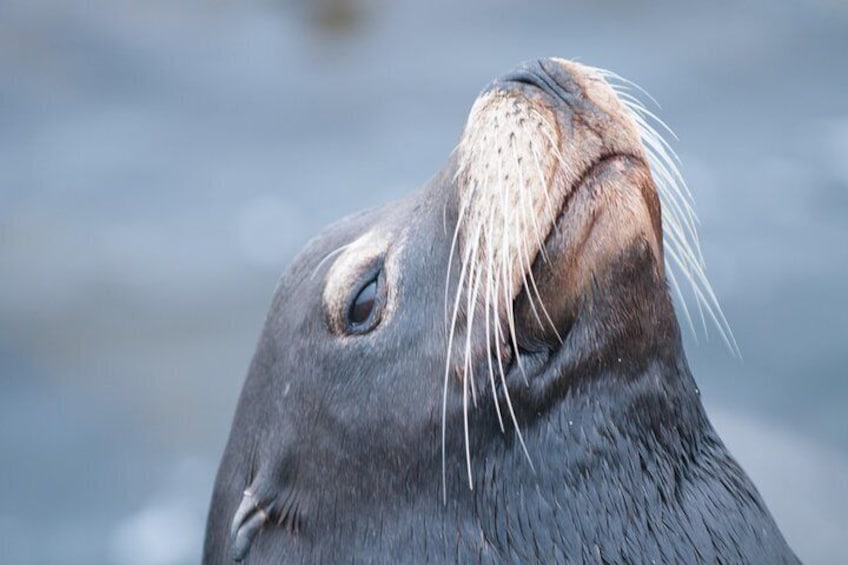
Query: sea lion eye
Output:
(362,308)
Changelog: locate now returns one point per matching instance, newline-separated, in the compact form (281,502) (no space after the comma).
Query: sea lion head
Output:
(408,343)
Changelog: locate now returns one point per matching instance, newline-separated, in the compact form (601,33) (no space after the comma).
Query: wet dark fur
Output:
(342,437)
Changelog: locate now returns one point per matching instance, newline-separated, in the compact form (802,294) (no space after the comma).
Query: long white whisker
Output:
(499,338)
(459,222)
(679,220)
(538,164)
(491,317)
(451,336)
(712,308)
(506,273)
(687,267)
(468,370)
(679,293)
(627,82)
(471,301)
(524,259)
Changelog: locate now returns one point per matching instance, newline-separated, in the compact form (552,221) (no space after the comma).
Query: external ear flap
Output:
(248,520)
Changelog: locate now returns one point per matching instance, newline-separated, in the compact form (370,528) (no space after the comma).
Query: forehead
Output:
(311,265)
(319,252)
(413,229)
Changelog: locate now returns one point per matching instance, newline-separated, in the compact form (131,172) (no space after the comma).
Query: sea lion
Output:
(491,369)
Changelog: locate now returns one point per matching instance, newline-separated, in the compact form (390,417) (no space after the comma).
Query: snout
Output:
(548,150)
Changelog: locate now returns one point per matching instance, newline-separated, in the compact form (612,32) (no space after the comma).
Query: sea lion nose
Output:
(547,75)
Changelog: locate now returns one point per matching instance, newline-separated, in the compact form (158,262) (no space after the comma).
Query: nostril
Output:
(559,78)
(536,74)
(524,78)
(529,73)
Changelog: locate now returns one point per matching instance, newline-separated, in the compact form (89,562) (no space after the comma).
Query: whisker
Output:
(711,307)
(506,272)
(679,293)
(538,164)
(327,257)
(491,317)
(451,337)
(499,338)
(680,235)
(525,261)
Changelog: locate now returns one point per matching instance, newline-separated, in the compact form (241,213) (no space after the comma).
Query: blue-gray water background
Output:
(162,161)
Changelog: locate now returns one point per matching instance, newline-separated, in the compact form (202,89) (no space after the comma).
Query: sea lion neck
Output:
(624,452)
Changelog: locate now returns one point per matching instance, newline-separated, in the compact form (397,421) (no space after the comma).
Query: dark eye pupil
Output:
(362,306)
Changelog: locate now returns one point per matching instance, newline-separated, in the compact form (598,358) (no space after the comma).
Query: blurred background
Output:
(162,161)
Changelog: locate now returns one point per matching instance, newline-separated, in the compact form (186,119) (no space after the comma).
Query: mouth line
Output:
(525,364)
(591,173)
(527,361)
